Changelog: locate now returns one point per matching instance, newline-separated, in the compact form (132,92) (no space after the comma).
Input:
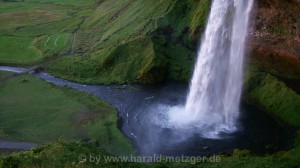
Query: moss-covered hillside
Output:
(135,41)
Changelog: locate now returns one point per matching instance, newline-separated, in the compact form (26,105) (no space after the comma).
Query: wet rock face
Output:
(276,27)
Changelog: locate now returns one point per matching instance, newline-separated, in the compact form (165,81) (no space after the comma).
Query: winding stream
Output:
(138,112)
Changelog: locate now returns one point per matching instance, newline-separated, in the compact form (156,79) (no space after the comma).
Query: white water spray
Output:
(213,101)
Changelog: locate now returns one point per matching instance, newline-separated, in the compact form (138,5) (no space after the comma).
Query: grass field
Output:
(18,49)
(4,74)
(56,43)
(33,30)
(7,7)
(35,111)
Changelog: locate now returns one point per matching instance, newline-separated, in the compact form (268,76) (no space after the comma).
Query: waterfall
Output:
(212,104)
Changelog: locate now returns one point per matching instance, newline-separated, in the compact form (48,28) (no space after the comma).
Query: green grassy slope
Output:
(268,92)
(102,31)
(156,39)
(18,49)
(32,30)
(55,43)
(35,111)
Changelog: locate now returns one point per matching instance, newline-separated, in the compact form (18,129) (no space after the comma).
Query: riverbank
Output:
(33,110)
(7,146)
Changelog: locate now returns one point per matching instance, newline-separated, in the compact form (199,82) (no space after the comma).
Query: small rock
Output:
(205,148)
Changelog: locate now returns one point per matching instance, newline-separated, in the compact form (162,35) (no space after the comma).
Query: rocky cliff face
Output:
(277,27)
(275,37)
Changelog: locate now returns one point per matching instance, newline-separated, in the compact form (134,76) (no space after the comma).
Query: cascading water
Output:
(212,104)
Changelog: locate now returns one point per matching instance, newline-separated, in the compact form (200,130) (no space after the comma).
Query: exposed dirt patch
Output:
(280,62)
(80,121)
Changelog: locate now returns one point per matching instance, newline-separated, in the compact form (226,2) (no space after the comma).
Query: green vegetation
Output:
(28,115)
(134,67)
(121,42)
(66,154)
(18,49)
(263,87)
(4,74)
(280,30)
(104,33)
(32,30)
(55,43)
(6,7)
(266,91)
